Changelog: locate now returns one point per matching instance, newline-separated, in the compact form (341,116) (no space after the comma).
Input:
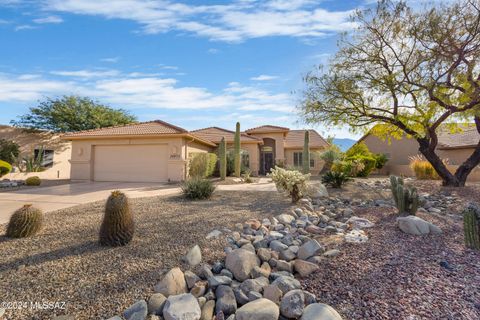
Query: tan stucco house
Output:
(157,151)
(56,152)
(455,148)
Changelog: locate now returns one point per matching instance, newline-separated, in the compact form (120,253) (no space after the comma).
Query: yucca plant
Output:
(405,197)
(25,222)
(471,226)
(198,189)
(118,225)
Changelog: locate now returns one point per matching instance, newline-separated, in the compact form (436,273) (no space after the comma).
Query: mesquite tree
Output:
(412,70)
(238,156)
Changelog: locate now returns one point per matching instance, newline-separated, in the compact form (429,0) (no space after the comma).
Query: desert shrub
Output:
(118,225)
(247,177)
(25,222)
(9,150)
(330,156)
(381,159)
(350,168)
(198,189)
(335,179)
(291,181)
(5,168)
(33,181)
(202,165)
(422,168)
(368,162)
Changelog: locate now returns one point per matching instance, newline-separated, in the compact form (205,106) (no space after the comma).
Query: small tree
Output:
(238,156)
(9,150)
(411,70)
(222,154)
(306,153)
(72,113)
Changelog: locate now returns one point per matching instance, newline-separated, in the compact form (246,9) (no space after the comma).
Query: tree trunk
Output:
(465,168)
(448,178)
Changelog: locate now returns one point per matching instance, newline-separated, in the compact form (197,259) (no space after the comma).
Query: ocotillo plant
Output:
(306,153)
(406,197)
(237,158)
(222,155)
(471,226)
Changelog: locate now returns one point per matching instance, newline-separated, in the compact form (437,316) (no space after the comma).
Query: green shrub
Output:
(358,149)
(9,150)
(423,169)
(25,222)
(381,159)
(335,179)
(118,225)
(202,165)
(33,181)
(198,189)
(291,181)
(5,168)
(368,162)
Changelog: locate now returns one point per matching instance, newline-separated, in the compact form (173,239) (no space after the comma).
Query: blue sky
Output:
(191,63)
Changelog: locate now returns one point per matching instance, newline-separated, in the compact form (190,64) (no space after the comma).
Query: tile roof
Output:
(295,139)
(266,128)
(141,128)
(467,137)
(215,134)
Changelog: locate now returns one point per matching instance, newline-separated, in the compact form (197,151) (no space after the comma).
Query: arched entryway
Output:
(267,155)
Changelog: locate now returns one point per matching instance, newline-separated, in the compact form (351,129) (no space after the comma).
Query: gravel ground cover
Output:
(398,276)
(64,263)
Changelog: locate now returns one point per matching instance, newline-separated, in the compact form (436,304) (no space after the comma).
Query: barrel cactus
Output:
(118,226)
(25,222)
(471,226)
(406,197)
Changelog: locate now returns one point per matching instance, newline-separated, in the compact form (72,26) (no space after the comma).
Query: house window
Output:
(297,159)
(245,159)
(312,162)
(47,157)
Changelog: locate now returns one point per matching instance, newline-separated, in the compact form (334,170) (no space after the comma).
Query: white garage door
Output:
(132,163)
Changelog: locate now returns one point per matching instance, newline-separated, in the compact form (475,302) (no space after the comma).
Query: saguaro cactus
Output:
(471,226)
(306,153)
(406,197)
(25,222)
(118,226)
(222,155)
(237,158)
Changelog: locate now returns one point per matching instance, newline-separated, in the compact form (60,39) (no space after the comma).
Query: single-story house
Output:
(56,152)
(454,148)
(157,151)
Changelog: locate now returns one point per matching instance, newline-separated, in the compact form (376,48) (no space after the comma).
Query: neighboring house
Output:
(56,152)
(455,148)
(157,151)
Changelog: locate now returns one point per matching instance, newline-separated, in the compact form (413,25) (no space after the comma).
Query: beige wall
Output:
(254,155)
(29,141)
(83,156)
(279,138)
(399,152)
(315,154)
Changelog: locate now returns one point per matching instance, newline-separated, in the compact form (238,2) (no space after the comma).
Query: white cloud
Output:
(49,19)
(213,51)
(165,67)
(111,59)
(86,73)
(233,22)
(24,27)
(136,90)
(264,77)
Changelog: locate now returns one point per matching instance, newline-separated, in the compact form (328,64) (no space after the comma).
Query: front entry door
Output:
(268,161)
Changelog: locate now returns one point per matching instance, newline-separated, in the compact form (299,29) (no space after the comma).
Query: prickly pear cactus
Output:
(118,226)
(405,197)
(471,226)
(25,222)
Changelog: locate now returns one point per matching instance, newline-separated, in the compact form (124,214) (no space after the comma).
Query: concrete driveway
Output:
(69,195)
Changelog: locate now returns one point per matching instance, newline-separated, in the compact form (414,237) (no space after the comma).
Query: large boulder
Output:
(285,218)
(292,304)
(260,309)
(304,268)
(208,310)
(182,307)
(417,226)
(317,190)
(137,311)
(226,302)
(309,249)
(286,283)
(241,262)
(173,283)
(156,304)
(320,311)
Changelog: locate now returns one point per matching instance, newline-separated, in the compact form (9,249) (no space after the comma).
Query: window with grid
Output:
(297,159)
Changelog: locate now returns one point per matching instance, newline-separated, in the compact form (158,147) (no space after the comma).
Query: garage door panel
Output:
(131,163)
